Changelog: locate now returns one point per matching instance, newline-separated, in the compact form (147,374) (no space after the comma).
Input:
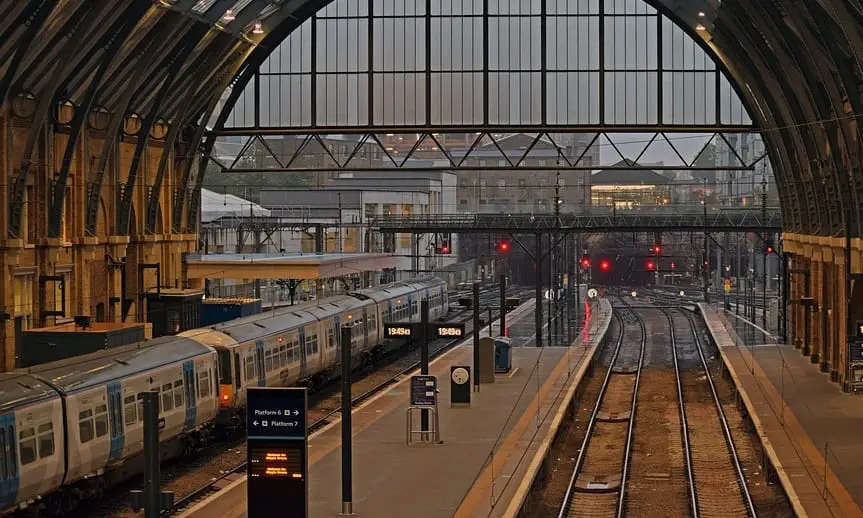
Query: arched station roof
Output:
(797,65)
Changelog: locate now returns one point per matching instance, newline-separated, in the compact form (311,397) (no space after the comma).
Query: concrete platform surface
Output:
(801,416)
(486,445)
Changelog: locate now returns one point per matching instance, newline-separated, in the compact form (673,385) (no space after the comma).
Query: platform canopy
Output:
(284,266)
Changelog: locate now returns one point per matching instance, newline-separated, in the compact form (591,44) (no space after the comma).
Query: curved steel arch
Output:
(790,115)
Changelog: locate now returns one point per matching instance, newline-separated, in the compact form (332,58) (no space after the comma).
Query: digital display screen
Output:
(275,463)
(450,332)
(392,331)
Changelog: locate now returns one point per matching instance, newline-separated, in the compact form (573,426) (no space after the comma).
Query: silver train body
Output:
(76,426)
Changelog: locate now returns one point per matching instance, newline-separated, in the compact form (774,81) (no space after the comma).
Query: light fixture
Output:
(701,14)
(229,16)
(700,27)
(259,29)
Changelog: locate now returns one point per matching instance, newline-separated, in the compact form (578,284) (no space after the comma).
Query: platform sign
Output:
(398,330)
(423,390)
(277,454)
(447,331)
(855,352)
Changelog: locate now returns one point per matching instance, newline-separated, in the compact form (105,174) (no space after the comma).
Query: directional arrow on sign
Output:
(255,423)
(296,412)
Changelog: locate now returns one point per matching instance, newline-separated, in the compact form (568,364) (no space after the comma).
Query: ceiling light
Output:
(229,15)
(701,14)
(700,27)
(259,29)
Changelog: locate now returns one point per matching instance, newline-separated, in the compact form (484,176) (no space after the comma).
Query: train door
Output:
(9,478)
(191,399)
(259,363)
(410,308)
(365,329)
(303,353)
(389,312)
(115,418)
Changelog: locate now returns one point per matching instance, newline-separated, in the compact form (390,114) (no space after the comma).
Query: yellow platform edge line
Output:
(478,492)
(533,470)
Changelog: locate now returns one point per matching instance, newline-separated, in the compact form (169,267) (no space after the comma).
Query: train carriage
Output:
(31,439)
(103,411)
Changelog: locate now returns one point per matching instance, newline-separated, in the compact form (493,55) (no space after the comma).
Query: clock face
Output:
(460,376)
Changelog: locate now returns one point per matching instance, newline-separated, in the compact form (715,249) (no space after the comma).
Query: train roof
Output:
(19,389)
(92,371)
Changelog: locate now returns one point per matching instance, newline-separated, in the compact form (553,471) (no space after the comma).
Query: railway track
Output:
(657,442)
(598,482)
(717,483)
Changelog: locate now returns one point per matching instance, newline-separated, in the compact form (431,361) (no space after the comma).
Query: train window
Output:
(130,409)
(330,342)
(225,366)
(46,440)
(11,453)
(85,426)
(101,420)
(268,361)
(27,444)
(204,383)
(167,400)
(178,393)
(140,399)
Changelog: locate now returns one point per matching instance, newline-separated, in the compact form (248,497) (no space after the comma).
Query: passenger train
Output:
(72,428)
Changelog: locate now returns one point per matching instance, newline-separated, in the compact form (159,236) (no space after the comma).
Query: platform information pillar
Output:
(278,464)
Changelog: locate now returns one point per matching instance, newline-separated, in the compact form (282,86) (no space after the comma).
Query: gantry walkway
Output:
(738,220)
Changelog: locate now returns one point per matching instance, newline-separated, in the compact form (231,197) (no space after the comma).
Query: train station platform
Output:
(487,447)
(809,428)
(283,266)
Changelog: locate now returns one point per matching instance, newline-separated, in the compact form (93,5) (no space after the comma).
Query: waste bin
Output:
(502,354)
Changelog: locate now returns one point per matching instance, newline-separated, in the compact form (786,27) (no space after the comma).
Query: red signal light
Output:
(444,249)
(769,250)
(657,249)
(503,246)
(672,266)
(651,266)
(585,261)
(605,265)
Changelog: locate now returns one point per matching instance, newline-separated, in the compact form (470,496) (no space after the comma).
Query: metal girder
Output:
(94,187)
(110,46)
(45,101)
(739,41)
(717,221)
(125,194)
(33,17)
(806,94)
(170,141)
(846,86)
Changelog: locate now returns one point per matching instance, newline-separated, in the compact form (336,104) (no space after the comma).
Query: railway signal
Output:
(585,261)
(604,265)
(503,246)
(657,248)
(650,266)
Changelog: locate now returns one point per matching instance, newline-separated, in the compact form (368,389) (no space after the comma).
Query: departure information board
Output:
(277,452)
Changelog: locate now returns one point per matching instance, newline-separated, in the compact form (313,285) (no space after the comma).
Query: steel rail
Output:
(726,430)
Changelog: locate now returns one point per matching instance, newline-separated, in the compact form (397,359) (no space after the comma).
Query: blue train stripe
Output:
(191,402)
(118,436)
